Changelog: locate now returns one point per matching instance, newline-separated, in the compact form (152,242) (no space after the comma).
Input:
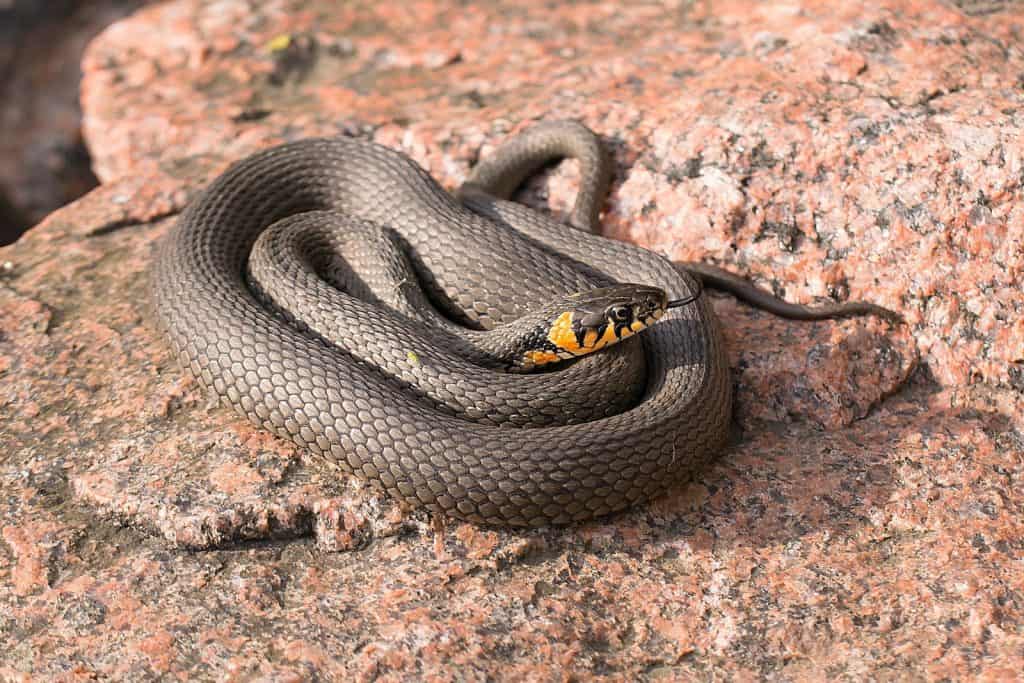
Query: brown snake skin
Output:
(382,314)
(485,261)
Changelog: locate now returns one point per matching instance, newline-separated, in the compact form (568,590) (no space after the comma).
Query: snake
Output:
(464,353)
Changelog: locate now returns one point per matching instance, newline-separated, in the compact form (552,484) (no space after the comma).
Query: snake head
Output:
(595,319)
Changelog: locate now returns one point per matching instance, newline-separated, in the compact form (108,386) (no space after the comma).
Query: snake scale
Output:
(493,448)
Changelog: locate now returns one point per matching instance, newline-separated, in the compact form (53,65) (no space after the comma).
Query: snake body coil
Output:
(484,261)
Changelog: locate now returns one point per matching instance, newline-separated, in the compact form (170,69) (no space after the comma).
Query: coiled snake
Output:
(389,400)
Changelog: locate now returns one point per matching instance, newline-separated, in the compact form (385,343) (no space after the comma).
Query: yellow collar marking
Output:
(541,357)
(607,338)
(562,334)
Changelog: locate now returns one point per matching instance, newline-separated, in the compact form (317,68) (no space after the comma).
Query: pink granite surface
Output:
(866,521)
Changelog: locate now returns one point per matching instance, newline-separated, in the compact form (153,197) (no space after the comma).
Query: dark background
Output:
(43,162)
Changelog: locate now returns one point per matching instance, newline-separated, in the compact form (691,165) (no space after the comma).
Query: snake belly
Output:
(485,261)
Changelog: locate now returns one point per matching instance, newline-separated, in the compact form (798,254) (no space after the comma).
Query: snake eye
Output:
(621,314)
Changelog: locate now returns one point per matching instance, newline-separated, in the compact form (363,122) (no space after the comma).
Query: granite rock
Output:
(866,520)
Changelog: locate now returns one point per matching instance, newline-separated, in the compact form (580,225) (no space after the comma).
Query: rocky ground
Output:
(866,521)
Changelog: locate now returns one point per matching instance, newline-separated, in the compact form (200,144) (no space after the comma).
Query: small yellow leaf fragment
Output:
(412,357)
(279,43)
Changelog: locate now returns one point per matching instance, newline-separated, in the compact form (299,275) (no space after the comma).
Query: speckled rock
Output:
(861,524)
